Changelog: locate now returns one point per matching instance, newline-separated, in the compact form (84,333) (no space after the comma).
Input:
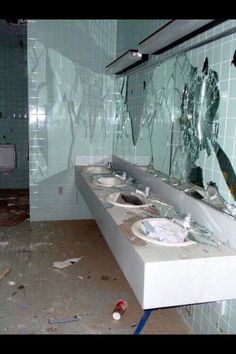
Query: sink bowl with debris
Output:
(129,200)
(97,169)
(161,231)
(110,182)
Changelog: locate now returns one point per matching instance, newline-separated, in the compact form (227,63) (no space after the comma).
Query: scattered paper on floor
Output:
(4,273)
(66,263)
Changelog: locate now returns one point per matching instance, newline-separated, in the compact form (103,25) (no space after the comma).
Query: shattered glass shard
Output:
(227,169)
(199,117)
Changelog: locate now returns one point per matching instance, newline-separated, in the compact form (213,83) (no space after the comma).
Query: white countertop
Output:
(191,274)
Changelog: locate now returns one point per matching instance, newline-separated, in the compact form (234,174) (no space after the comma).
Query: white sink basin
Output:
(110,182)
(116,199)
(165,227)
(97,169)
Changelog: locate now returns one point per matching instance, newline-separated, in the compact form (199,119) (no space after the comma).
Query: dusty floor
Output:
(34,292)
(14,206)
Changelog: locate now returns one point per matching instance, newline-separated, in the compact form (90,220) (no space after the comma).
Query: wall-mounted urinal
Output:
(7,158)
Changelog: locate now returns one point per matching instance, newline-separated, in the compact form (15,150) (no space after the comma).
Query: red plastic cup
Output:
(119,310)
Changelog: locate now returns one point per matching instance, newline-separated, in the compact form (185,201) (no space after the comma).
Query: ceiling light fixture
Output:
(124,62)
(171,33)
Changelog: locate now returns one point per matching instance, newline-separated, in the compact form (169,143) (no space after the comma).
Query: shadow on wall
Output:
(72,103)
(136,94)
(77,102)
(56,198)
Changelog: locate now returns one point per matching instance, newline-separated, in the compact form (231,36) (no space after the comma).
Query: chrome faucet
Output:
(122,177)
(109,164)
(145,193)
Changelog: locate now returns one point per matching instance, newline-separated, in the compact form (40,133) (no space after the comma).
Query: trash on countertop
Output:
(132,238)
(164,209)
(4,273)
(107,205)
(64,320)
(148,227)
(197,237)
(119,310)
(185,222)
(163,230)
(66,263)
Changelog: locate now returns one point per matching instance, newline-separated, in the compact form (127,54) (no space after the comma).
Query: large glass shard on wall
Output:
(198,118)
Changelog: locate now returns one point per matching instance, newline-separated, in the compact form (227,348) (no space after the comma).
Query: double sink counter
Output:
(160,276)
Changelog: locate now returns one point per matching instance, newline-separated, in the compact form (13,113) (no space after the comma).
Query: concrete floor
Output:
(14,206)
(34,292)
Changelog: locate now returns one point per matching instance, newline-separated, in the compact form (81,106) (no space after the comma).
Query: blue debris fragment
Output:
(64,320)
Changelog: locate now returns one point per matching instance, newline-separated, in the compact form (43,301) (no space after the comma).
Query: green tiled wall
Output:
(14,103)
(71,109)
(131,32)
(15,132)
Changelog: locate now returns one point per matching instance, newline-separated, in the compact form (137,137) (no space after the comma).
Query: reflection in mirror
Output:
(136,93)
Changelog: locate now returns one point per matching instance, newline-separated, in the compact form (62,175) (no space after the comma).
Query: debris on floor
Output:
(43,294)
(119,310)
(3,243)
(40,244)
(51,329)
(23,249)
(15,211)
(64,320)
(134,325)
(24,306)
(4,273)
(11,283)
(66,263)
(20,287)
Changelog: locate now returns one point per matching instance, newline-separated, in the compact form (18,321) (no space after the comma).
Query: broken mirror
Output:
(177,124)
